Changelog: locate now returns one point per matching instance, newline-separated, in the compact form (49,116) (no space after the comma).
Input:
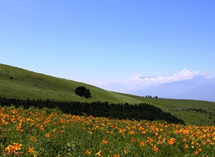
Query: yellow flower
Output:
(124,150)
(98,154)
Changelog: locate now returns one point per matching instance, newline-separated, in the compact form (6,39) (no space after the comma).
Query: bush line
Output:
(140,111)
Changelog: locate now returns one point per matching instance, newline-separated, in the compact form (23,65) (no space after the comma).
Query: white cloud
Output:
(139,82)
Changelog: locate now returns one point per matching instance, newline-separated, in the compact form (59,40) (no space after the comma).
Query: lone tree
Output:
(87,93)
(82,91)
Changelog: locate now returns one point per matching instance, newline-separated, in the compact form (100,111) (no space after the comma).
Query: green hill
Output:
(20,83)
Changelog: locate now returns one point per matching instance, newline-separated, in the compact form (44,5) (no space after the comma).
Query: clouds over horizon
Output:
(139,82)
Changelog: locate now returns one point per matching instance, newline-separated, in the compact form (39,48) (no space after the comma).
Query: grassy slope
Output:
(26,84)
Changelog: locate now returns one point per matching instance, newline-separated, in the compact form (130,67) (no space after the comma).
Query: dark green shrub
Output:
(82,91)
(87,93)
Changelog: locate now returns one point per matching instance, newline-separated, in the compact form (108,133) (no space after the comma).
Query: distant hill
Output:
(203,92)
(198,88)
(19,83)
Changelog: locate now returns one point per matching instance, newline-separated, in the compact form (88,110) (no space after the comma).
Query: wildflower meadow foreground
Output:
(45,132)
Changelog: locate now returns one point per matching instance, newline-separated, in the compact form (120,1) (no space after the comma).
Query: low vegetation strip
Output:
(141,111)
(49,132)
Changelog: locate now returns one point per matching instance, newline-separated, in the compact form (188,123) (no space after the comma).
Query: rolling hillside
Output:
(20,83)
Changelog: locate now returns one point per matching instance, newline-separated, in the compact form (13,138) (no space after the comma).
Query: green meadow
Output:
(19,83)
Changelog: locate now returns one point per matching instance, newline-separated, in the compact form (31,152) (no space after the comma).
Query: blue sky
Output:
(94,40)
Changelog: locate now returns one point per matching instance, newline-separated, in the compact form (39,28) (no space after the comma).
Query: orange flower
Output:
(196,152)
(142,143)
(172,141)
(30,150)
(30,120)
(186,146)
(13,111)
(41,127)
(19,126)
(133,139)
(32,138)
(17,146)
(87,152)
(4,122)
(10,149)
(184,140)
(13,148)
(116,155)
(12,120)
(131,132)
(150,140)
(104,141)
(155,149)
(47,135)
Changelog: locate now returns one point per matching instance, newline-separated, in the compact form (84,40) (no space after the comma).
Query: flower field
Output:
(45,132)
